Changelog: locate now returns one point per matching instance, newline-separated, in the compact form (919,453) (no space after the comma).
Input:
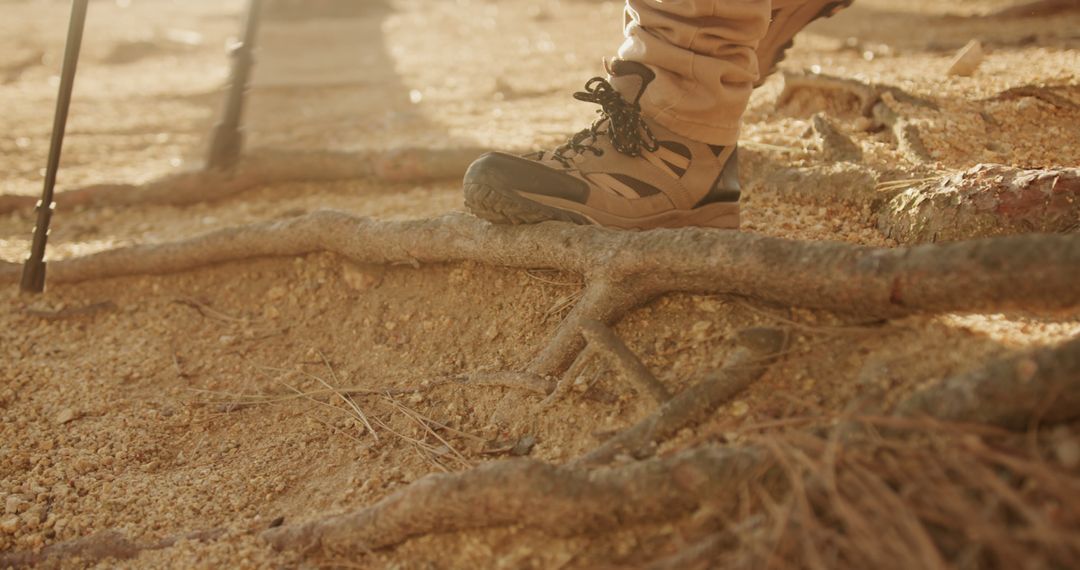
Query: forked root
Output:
(746,364)
(625,269)
(1030,272)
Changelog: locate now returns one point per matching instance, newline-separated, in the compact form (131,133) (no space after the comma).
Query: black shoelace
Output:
(625,126)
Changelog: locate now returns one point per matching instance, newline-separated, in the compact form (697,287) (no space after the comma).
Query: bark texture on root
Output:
(263,168)
(1032,272)
(988,200)
(746,365)
(1043,385)
(558,501)
(625,269)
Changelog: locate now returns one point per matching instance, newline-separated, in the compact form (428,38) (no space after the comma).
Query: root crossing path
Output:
(625,269)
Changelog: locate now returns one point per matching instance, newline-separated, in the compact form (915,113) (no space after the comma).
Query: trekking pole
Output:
(33,276)
(228,139)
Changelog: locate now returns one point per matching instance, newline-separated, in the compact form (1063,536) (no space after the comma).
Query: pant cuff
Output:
(708,134)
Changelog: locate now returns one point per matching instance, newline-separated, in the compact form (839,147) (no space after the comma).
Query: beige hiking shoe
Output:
(624,171)
(789,17)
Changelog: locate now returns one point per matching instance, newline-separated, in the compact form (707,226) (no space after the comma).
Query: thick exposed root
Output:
(943,499)
(1034,272)
(555,500)
(1043,385)
(263,168)
(988,200)
(625,269)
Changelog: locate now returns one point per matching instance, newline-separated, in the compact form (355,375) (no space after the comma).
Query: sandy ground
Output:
(109,417)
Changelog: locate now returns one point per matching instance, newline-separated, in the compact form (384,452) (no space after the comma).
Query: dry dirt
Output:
(118,418)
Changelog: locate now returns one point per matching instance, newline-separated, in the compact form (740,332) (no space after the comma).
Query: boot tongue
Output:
(630,78)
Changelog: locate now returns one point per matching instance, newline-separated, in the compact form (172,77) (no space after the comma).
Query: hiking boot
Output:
(787,20)
(624,171)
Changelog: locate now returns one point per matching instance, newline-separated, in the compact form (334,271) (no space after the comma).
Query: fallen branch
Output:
(625,269)
(746,364)
(557,501)
(264,168)
(1043,385)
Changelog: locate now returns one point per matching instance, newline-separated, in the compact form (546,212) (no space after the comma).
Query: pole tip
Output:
(33,277)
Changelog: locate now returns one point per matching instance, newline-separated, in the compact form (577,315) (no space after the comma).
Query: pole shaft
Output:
(34,272)
(227,138)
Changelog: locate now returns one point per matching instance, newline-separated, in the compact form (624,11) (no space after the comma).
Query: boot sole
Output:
(508,207)
(827,11)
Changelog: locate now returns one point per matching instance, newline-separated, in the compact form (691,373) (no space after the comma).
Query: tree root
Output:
(744,366)
(1037,8)
(625,269)
(908,140)
(263,168)
(874,101)
(1045,94)
(603,301)
(109,544)
(988,200)
(558,501)
(1043,385)
(604,342)
(835,145)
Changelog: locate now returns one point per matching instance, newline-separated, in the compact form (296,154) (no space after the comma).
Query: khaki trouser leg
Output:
(703,54)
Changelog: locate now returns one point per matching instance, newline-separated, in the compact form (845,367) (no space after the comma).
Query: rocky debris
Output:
(987,200)
(967,60)
(65,416)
